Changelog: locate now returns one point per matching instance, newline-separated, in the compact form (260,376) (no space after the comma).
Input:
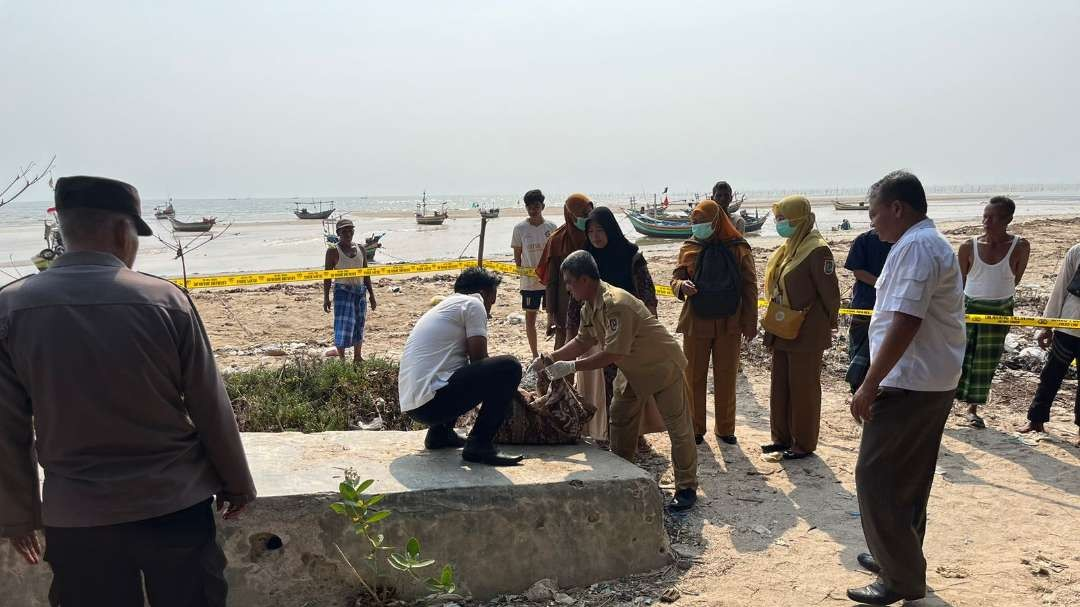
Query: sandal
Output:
(975,421)
(773,448)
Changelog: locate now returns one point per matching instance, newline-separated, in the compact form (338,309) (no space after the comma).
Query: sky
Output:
(273,98)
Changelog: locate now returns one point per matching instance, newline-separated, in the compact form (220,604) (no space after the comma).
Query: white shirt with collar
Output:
(436,347)
(1063,304)
(921,278)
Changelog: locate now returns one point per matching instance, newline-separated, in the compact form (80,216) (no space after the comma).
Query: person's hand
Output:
(749,333)
(560,369)
(861,401)
(373,304)
(230,506)
(1045,338)
(28,547)
(537,365)
(687,288)
(326,304)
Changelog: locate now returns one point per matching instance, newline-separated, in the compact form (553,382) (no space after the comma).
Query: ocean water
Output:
(263,234)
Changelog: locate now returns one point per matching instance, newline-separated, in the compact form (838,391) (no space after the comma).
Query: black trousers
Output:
(491,381)
(1063,351)
(893,476)
(175,557)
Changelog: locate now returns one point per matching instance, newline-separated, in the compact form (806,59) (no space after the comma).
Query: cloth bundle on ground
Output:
(556,415)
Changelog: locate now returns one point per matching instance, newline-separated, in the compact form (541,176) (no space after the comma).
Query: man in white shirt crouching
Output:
(917,343)
(446,371)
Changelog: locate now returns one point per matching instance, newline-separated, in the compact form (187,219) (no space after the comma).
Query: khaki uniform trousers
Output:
(673,402)
(795,399)
(724,353)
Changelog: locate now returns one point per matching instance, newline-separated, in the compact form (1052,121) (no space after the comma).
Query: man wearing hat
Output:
(108,382)
(350,309)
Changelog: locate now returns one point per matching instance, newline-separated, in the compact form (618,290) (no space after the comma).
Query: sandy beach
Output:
(1003,514)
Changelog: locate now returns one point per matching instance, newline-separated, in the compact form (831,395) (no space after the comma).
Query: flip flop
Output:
(975,421)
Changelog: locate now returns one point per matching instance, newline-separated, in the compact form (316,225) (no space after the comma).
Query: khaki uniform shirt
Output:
(621,324)
(811,286)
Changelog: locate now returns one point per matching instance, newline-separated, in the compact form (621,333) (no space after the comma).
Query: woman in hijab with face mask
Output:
(709,334)
(563,312)
(800,277)
(621,265)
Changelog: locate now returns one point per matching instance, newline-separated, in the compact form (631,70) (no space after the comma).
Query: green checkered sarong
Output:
(983,353)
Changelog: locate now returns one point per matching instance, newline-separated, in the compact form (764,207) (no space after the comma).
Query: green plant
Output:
(364,516)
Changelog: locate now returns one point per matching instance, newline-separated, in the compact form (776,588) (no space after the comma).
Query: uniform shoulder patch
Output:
(830,266)
(613,324)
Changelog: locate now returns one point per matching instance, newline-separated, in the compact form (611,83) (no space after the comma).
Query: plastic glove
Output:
(561,368)
(537,365)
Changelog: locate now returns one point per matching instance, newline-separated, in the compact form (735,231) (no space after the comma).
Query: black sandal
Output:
(774,447)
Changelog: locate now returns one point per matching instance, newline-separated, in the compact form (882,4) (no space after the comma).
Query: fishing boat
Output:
(193,226)
(659,228)
(862,205)
(753,222)
(371,243)
(165,211)
(491,213)
(736,203)
(302,212)
(435,219)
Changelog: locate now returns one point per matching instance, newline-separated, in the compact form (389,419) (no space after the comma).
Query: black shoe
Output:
(684,500)
(490,456)
(789,454)
(443,438)
(774,447)
(867,562)
(699,438)
(729,439)
(878,594)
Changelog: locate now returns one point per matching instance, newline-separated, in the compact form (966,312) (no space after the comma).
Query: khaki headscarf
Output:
(796,209)
(567,238)
(706,211)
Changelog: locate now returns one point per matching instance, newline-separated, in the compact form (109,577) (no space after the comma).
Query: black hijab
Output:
(616,260)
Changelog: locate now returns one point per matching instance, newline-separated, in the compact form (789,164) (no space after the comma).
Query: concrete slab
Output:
(573,513)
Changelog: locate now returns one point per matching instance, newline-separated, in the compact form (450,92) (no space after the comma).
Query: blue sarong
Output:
(350,314)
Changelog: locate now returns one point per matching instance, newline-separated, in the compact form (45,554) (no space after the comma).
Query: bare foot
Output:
(1032,427)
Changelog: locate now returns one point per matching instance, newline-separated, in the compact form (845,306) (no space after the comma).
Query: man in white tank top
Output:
(349,305)
(992,265)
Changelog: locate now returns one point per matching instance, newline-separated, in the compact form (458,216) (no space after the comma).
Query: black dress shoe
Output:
(867,562)
(729,439)
(684,500)
(699,438)
(443,438)
(878,594)
(490,456)
(774,447)
(789,454)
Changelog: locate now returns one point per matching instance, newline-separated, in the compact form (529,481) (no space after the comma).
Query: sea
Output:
(262,234)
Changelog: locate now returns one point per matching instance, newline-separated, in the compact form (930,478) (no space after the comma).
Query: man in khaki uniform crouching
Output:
(650,363)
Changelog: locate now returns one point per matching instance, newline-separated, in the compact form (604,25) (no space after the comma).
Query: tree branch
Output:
(21,176)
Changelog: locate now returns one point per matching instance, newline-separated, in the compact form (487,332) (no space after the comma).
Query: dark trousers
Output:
(1063,351)
(893,476)
(177,555)
(491,381)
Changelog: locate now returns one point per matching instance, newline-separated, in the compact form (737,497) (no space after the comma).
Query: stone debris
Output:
(515,319)
(564,599)
(542,590)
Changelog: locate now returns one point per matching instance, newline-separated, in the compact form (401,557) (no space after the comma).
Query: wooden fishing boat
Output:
(659,228)
(862,205)
(435,219)
(193,226)
(302,212)
(165,211)
(489,213)
(753,222)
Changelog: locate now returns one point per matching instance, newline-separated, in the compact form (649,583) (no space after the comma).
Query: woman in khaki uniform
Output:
(714,338)
(801,275)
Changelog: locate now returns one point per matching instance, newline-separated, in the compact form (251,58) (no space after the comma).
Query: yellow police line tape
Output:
(247,280)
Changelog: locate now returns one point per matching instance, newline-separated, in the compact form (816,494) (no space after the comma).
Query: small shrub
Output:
(309,394)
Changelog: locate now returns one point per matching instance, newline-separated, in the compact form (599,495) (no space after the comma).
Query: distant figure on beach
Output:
(108,382)
(992,265)
(722,195)
(564,312)
(350,307)
(716,280)
(1064,345)
(650,364)
(804,300)
(916,350)
(446,371)
(528,242)
(865,259)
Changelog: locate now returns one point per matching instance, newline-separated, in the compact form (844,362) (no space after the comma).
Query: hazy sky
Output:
(250,98)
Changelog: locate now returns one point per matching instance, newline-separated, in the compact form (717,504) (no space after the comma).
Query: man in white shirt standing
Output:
(445,371)
(1064,345)
(917,343)
(528,244)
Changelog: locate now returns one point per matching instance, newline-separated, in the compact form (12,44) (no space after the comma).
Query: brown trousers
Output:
(673,401)
(795,399)
(893,476)
(724,353)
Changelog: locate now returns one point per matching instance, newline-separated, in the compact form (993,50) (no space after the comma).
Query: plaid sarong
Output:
(350,314)
(858,352)
(985,344)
